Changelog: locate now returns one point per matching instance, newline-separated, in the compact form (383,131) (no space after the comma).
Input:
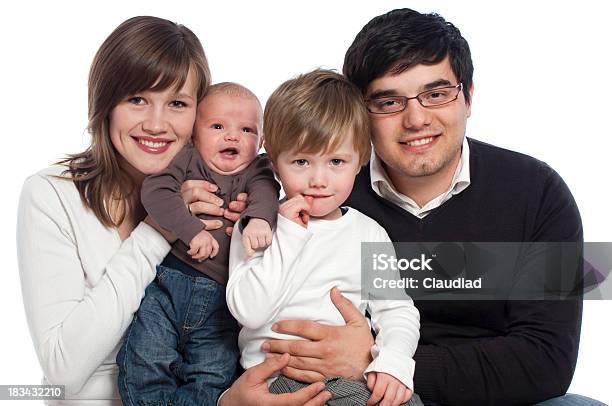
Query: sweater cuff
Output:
(394,364)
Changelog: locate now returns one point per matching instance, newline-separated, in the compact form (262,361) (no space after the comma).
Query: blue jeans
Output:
(181,348)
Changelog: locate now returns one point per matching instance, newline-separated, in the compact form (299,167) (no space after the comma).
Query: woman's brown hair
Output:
(143,53)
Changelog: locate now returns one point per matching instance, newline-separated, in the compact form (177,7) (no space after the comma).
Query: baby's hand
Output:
(203,246)
(384,385)
(297,209)
(257,234)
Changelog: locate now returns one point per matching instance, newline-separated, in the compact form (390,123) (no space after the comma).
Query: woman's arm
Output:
(75,320)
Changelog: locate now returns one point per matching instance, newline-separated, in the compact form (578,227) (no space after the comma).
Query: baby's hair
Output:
(231,89)
(313,112)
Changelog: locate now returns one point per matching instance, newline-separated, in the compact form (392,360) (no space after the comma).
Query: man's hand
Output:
(203,246)
(329,350)
(251,389)
(256,235)
(387,390)
(297,209)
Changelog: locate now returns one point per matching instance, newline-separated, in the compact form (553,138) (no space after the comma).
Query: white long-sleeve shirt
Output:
(81,286)
(292,279)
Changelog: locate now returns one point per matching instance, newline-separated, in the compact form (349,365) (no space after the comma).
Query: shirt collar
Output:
(382,185)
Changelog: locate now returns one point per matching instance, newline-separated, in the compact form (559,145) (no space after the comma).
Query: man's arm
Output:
(535,358)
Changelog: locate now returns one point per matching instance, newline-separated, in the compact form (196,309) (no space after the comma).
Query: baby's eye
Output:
(336,162)
(136,100)
(300,162)
(217,126)
(247,130)
(178,104)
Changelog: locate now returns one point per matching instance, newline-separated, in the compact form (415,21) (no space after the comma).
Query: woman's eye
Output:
(217,126)
(177,104)
(136,100)
(300,162)
(337,162)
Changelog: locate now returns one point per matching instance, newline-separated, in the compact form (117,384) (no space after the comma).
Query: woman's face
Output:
(149,128)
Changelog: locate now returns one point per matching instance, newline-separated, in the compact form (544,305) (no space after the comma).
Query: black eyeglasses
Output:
(429,98)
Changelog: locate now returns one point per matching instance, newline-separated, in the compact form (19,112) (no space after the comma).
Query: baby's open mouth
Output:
(229,151)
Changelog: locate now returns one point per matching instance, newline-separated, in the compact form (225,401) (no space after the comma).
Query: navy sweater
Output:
(491,352)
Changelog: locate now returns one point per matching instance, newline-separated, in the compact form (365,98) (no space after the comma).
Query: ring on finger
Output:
(189,208)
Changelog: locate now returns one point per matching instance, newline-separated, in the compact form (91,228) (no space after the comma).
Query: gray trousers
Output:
(345,392)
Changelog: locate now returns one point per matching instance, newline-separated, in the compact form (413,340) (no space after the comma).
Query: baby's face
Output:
(227,132)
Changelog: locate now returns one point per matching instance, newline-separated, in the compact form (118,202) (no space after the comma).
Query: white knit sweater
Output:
(81,286)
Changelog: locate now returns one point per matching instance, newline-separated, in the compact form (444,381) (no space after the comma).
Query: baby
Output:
(317,134)
(181,346)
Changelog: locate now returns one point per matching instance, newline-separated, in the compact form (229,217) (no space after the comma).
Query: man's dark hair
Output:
(401,39)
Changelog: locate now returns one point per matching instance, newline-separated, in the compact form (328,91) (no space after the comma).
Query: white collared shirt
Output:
(382,185)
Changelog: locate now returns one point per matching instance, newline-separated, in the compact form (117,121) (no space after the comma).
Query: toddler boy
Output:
(317,135)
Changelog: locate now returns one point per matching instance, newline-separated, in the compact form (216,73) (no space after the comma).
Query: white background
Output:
(542,87)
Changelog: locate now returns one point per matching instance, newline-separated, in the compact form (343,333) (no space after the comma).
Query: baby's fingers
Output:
(246,243)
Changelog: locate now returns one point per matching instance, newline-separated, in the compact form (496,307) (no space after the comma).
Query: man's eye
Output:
(437,94)
(217,126)
(337,162)
(300,162)
(178,104)
(136,100)
(387,102)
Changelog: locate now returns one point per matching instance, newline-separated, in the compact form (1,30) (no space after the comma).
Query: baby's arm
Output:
(203,246)
(161,197)
(257,234)
(259,218)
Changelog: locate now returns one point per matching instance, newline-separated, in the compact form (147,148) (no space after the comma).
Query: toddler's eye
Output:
(247,130)
(217,126)
(300,162)
(337,161)
(178,104)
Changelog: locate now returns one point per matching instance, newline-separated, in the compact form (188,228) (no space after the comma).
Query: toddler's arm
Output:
(396,323)
(260,286)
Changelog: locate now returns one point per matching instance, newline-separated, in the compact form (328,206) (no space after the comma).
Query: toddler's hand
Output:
(386,386)
(257,234)
(203,246)
(297,209)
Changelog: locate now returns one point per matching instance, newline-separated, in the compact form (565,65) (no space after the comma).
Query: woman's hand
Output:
(328,350)
(200,198)
(251,389)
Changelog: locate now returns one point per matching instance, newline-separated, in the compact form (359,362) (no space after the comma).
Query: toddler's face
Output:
(326,177)
(227,132)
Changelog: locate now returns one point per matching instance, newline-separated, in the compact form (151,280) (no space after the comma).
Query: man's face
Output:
(419,141)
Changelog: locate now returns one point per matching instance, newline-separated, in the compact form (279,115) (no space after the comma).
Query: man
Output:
(428,182)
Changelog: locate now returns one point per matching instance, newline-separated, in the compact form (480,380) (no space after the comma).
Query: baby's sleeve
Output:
(263,191)
(161,196)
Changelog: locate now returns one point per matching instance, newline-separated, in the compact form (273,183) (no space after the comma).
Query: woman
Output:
(86,251)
